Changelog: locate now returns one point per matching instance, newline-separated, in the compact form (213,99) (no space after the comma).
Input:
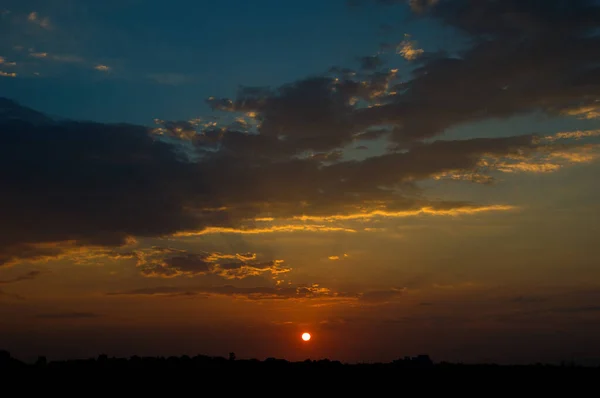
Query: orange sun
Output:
(305,336)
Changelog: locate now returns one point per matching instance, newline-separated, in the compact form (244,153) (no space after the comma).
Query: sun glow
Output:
(306,336)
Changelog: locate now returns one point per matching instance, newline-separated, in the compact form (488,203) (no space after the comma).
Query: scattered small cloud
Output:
(4,62)
(334,258)
(102,68)
(408,49)
(43,22)
(38,54)
(8,74)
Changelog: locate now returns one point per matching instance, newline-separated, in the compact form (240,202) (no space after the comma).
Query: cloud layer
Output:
(279,153)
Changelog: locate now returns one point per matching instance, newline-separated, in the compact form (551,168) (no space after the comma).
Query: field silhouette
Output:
(204,362)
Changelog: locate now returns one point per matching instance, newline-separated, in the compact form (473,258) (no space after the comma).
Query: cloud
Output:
(170,263)
(8,74)
(555,155)
(407,48)
(94,184)
(290,292)
(102,68)
(42,22)
(28,276)
(272,159)
(591,111)
(300,292)
(4,62)
(533,79)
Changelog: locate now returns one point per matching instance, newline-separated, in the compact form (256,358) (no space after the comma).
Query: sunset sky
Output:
(394,177)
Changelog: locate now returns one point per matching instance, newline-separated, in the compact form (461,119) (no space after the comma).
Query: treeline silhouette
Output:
(202,362)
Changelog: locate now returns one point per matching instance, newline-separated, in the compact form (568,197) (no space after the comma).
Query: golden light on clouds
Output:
(8,74)
(266,230)
(43,22)
(577,135)
(102,68)
(407,48)
(408,213)
(584,112)
(4,62)
(363,216)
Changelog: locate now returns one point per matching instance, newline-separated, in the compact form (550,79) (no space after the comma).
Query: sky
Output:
(394,177)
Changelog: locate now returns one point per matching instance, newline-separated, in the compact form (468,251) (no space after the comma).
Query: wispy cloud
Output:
(43,22)
(28,276)
(38,54)
(302,293)
(4,62)
(102,68)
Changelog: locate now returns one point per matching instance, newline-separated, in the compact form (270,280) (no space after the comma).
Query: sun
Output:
(306,336)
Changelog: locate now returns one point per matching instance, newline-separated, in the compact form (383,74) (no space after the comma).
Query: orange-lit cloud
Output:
(102,68)
(265,230)
(8,74)
(553,153)
(407,48)
(584,112)
(4,62)
(43,22)
(577,135)
(408,213)
(171,263)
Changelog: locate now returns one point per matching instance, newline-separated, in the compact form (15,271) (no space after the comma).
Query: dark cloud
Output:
(300,292)
(28,276)
(279,153)
(169,263)
(96,184)
(252,293)
(549,63)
